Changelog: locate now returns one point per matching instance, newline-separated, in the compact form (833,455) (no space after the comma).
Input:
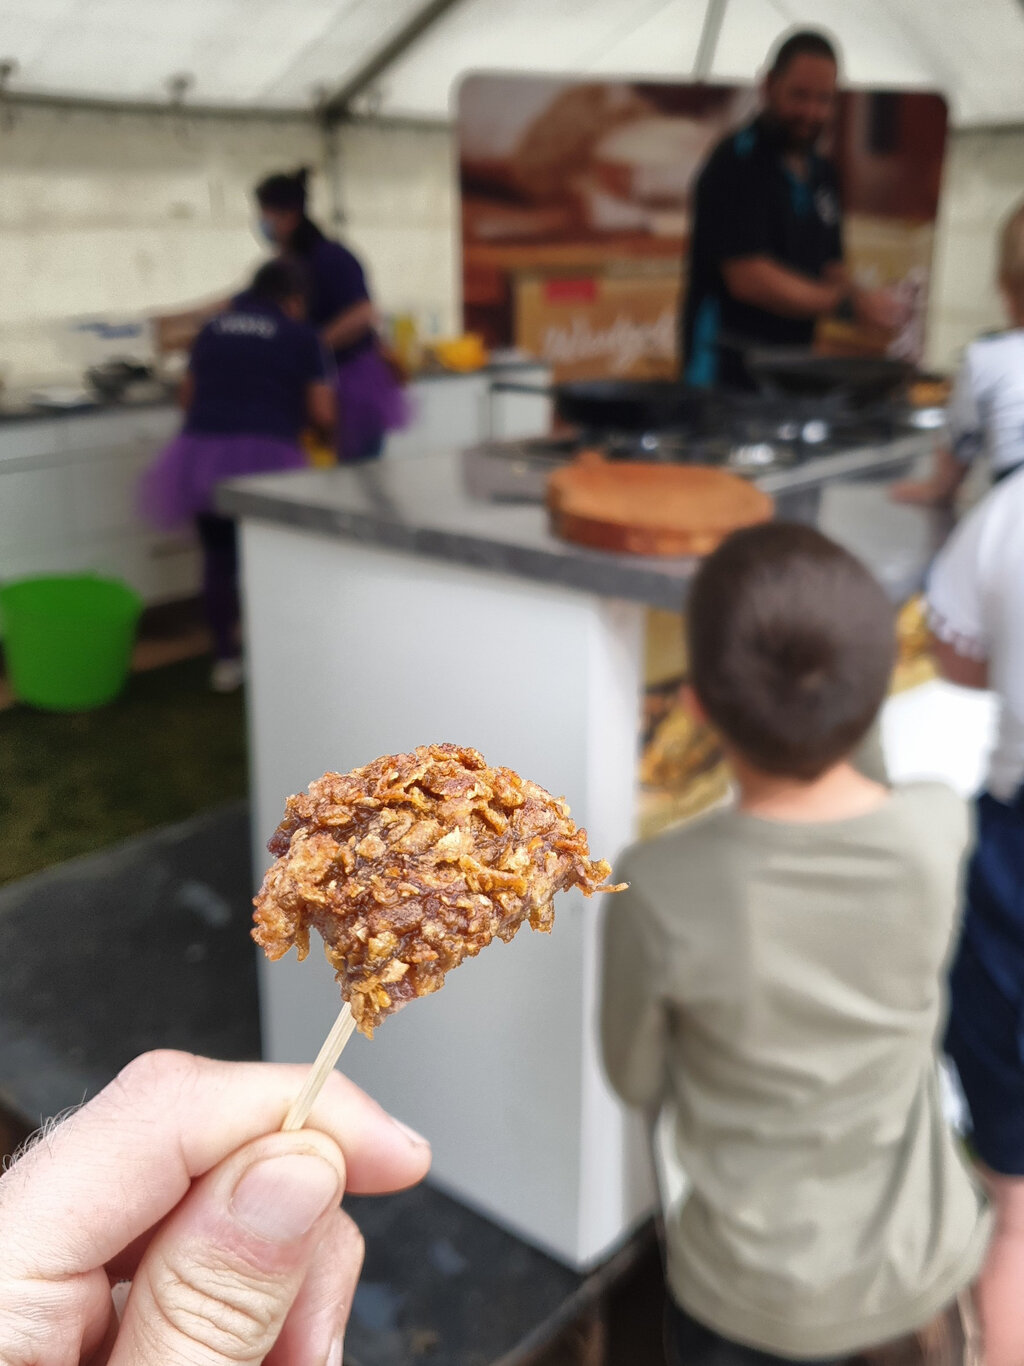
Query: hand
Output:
(837,278)
(921,492)
(174,1178)
(880,309)
(939,489)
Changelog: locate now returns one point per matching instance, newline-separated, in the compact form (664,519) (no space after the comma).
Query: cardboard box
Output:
(621,326)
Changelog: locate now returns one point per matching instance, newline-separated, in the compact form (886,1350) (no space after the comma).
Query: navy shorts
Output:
(985,1035)
(948,1340)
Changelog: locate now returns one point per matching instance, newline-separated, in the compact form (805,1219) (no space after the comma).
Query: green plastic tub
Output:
(68,640)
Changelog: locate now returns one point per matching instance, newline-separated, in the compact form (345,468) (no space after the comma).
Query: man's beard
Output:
(796,136)
(801,139)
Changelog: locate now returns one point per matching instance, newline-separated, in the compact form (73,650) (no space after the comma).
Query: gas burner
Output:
(561,446)
(815,432)
(754,435)
(754,458)
(668,448)
(927,419)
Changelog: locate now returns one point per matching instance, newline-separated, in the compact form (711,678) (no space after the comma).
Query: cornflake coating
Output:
(413,863)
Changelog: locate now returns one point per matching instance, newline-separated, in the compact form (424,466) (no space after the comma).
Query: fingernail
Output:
(281,1198)
(410,1134)
(337,1352)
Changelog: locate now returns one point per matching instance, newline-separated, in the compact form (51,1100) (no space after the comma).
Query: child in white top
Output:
(986,410)
(976,601)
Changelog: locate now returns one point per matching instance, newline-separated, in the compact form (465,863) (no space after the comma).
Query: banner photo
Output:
(576,212)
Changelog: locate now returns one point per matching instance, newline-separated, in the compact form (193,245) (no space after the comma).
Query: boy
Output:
(976,601)
(986,411)
(774,977)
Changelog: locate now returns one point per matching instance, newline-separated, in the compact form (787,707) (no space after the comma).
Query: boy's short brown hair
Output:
(1011,254)
(792,643)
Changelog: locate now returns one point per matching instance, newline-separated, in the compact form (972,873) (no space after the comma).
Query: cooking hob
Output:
(779,443)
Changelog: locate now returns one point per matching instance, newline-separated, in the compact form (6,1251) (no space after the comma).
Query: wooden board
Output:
(643,509)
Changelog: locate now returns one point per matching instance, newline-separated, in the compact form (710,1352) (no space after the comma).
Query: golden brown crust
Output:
(413,863)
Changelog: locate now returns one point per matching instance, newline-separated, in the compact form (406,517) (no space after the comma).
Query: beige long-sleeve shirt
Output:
(780,988)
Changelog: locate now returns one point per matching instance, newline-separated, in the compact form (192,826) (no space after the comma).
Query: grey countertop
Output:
(16,411)
(510,369)
(18,407)
(422,507)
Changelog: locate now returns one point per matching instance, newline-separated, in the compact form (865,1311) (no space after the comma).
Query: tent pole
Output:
(709,35)
(86,104)
(337,107)
(332,161)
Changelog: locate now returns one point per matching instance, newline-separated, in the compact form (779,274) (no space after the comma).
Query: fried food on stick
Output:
(413,863)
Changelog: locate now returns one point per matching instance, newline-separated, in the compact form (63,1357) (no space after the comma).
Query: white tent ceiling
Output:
(289,54)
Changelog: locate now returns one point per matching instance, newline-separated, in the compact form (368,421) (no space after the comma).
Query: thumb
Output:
(218,1279)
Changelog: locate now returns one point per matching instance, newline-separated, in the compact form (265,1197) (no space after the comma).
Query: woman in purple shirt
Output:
(258,375)
(370,399)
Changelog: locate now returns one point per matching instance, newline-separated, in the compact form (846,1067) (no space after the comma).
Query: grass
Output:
(71,784)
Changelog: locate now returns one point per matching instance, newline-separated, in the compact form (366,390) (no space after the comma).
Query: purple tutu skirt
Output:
(180,482)
(371,403)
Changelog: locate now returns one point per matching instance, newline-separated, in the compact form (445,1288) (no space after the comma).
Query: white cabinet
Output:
(520,406)
(121,429)
(68,483)
(500,1069)
(161,570)
(463,410)
(104,492)
(446,411)
(32,440)
(68,501)
(35,508)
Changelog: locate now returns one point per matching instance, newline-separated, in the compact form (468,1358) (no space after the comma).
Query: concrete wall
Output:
(398,196)
(129,213)
(120,214)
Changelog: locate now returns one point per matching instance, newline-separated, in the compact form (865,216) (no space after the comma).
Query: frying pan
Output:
(799,373)
(628,405)
(111,379)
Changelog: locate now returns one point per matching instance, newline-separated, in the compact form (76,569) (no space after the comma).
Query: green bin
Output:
(68,640)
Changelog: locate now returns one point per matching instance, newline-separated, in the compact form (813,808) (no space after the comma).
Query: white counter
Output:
(68,480)
(375,653)
(463,410)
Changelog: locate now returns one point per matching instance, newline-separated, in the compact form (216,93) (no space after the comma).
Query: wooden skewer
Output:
(341,1031)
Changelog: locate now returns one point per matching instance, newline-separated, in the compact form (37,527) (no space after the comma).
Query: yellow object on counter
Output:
(405,344)
(319,454)
(462,354)
(681,771)
(915,663)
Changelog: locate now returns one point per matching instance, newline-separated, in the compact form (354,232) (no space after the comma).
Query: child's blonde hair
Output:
(1011,255)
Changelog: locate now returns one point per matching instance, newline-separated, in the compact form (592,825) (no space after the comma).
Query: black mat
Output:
(445,1286)
(142,946)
